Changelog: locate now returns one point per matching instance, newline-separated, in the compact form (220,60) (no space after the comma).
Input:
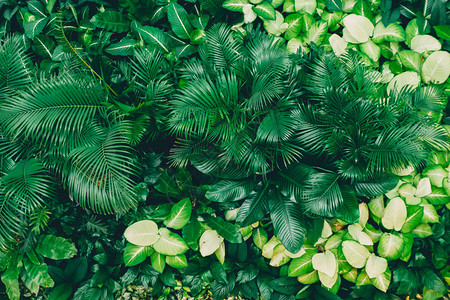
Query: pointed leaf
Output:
(230,190)
(210,241)
(265,10)
(225,229)
(158,261)
(180,214)
(395,214)
(179,20)
(134,254)
(301,265)
(170,243)
(355,253)
(112,21)
(325,262)
(359,27)
(390,246)
(142,233)
(178,261)
(382,281)
(436,67)
(54,247)
(423,43)
(375,266)
(259,237)
(414,218)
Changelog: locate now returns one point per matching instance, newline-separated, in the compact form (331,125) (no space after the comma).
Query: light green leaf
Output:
(178,261)
(355,253)
(423,188)
(179,214)
(316,33)
(429,213)
(295,26)
(408,241)
(295,44)
(376,206)
(411,60)
(325,262)
(265,10)
(179,20)
(10,279)
(414,218)
(277,26)
(267,250)
(309,278)
(363,278)
(308,6)
(408,78)
(158,261)
(142,233)
(289,6)
(359,27)
(220,253)
(301,265)
(395,214)
(423,43)
(334,241)
(411,30)
(407,190)
(259,237)
(422,231)
(392,33)
(328,281)
(210,241)
(371,49)
(338,44)
(363,214)
(436,67)
(111,21)
(390,246)
(373,233)
(436,173)
(279,256)
(351,275)
(235,5)
(375,266)
(382,281)
(170,243)
(443,31)
(225,229)
(54,247)
(249,14)
(134,254)
(438,195)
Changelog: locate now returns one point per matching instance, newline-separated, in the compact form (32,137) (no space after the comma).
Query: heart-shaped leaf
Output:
(375,265)
(325,262)
(142,233)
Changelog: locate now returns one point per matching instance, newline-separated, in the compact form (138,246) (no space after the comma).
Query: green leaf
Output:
(158,261)
(111,21)
(390,246)
(414,218)
(134,254)
(191,233)
(10,279)
(38,273)
(154,36)
(225,229)
(235,5)
(395,214)
(360,28)
(44,45)
(432,281)
(178,261)
(301,265)
(325,263)
(277,26)
(230,190)
(409,78)
(255,207)
(443,31)
(363,278)
(422,231)
(423,43)
(382,281)
(338,44)
(277,126)
(392,33)
(316,33)
(267,250)
(285,285)
(355,253)
(371,49)
(288,6)
(375,266)
(179,214)
(61,292)
(309,278)
(170,243)
(279,256)
(210,241)
(287,221)
(376,206)
(308,6)
(142,233)
(438,195)
(265,10)
(430,214)
(295,26)
(54,247)
(423,188)
(179,20)
(436,173)
(436,69)
(259,237)
(411,60)
(124,47)
(334,5)
(34,28)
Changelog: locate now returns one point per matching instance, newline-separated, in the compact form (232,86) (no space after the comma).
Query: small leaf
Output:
(142,233)
(267,250)
(178,261)
(422,231)
(334,5)
(382,281)
(210,241)
(259,237)
(301,265)
(179,214)
(134,254)
(158,261)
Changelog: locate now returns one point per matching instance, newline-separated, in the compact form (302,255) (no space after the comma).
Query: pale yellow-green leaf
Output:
(375,265)
(395,214)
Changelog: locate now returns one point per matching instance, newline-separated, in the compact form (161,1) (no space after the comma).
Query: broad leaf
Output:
(308,6)
(170,243)
(154,36)
(371,49)
(54,247)
(390,246)
(411,60)
(277,26)
(325,263)
(34,28)
(392,33)
(409,78)
(338,44)
(177,262)
(265,10)
(375,266)
(334,5)
(395,214)
(142,233)
(355,253)
(316,33)
(423,43)
(436,67)
(124,47)
(279,256)
(134,254)
(255,207)
(414,218)
(10,279)
(301,265)
(112,21)
(382,281)
(259,237)
(422,231)
(225,229)
(235,5)
(180,214)
(158,261)
(359,27)
(179,20)
(210,241)
(295,26)
(423,188)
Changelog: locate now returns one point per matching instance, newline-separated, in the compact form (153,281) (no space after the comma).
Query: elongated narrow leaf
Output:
(123,48)
(179,20)
(155,36)
(112,21)
(287,222)
(225,229)
(230,190)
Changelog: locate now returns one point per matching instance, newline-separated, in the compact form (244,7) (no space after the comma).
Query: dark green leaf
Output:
(179,20)
(54,247)
(225,229)
(230,190)
(334,5)
(112,21)
(285,285)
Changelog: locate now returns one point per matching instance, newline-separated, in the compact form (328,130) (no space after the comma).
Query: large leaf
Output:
(382,281)
(287,221)
(225,229)
(230,190)
(142,233)
(235,5)
(170,243)
(134,254)
(210,241)
(295,26)
(255,207)
(308,6)
(112,21)
(392,33)
(54,247)
(395,214)
(179,20)
(316,33)
(411,60)
(301,265)
(423,43)
(390,246)
(10,279)
(375,266)
(179,214)
(124,47)
(355,253)
(325,263)
(414,218)
(265,10)
(154,36)
(360,28)
(436,69)
(34,28)
(277,26)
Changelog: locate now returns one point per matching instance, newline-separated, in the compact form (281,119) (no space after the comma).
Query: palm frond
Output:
(99,176)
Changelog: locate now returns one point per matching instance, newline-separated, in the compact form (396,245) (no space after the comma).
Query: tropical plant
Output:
(295,135)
